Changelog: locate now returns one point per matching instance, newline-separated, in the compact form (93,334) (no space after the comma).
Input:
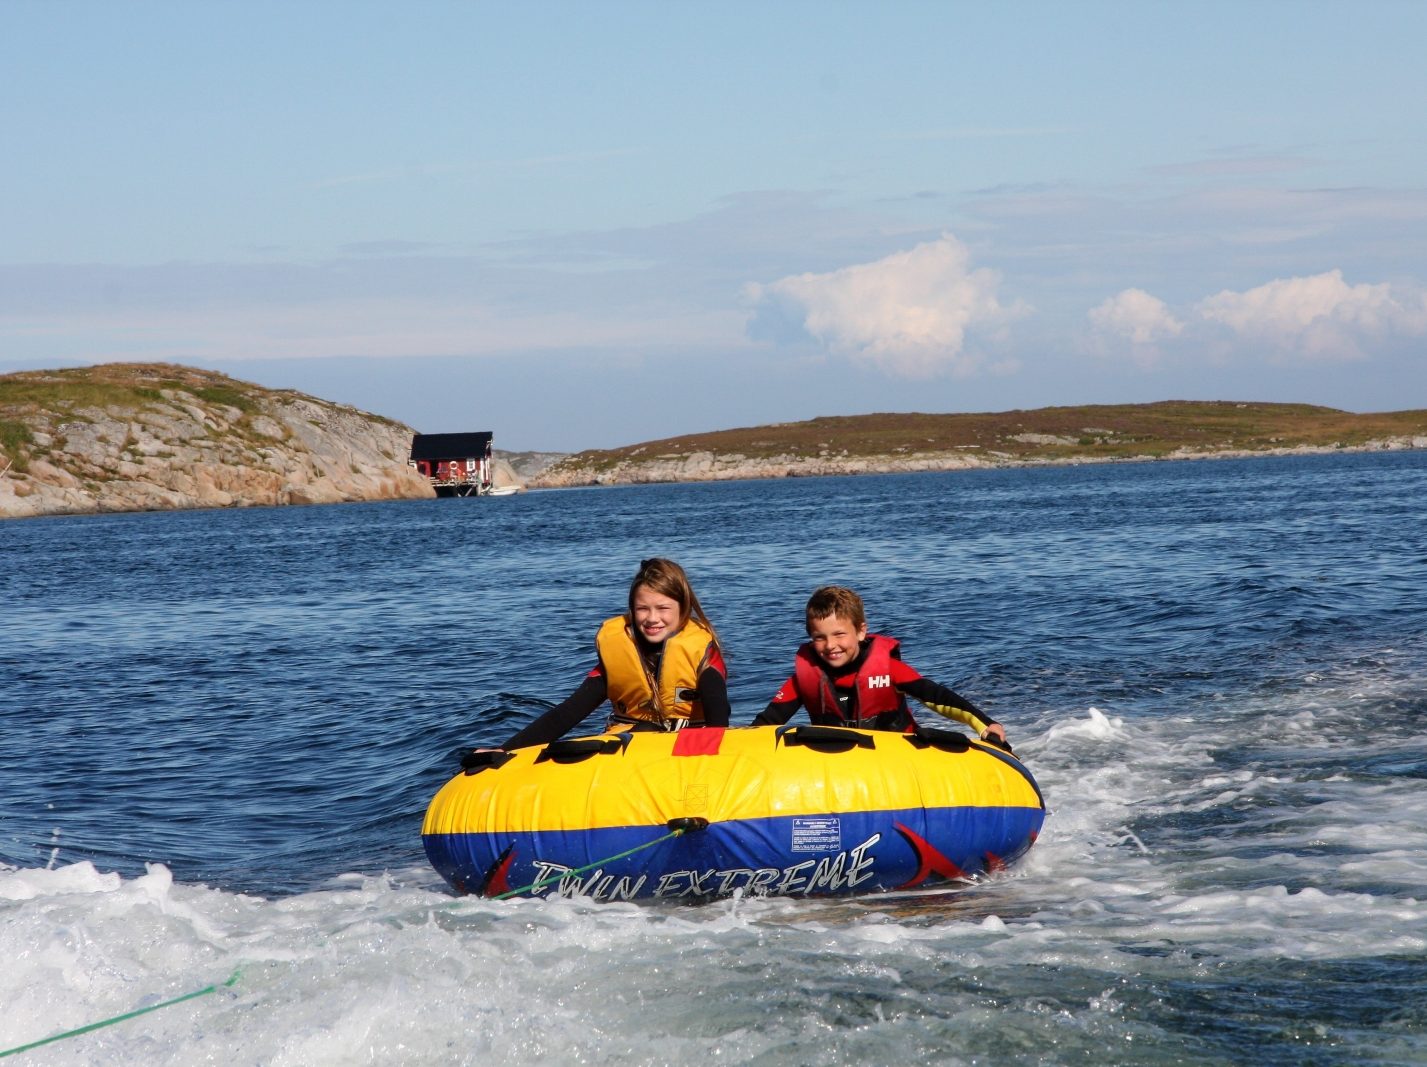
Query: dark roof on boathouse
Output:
(439,446)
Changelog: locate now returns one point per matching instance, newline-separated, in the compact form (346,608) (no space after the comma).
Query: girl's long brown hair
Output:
(667,578)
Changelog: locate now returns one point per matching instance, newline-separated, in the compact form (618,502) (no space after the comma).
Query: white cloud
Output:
(908,313)
(1136,315)
(1321,317)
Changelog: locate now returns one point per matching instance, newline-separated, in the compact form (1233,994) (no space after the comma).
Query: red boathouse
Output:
(456,464)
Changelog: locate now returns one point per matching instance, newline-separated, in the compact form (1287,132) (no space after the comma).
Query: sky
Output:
(584,225)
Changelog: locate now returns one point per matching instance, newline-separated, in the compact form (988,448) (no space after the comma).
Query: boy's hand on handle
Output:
(996,734)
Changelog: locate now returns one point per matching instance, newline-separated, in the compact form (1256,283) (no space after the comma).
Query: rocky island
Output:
(887,443)
(148,436)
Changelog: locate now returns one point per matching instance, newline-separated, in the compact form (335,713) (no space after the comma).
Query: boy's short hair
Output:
(836,600)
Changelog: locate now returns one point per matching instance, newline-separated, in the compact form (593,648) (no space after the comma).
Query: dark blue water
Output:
(1218,671)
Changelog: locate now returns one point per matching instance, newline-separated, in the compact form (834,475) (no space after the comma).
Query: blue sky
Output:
(583,225)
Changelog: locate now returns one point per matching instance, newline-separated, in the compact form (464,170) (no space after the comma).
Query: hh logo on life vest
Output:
(880,681)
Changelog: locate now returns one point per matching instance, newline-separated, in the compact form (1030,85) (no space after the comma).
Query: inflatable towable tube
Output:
(799,810)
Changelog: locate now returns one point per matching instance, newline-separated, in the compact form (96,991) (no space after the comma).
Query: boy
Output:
(846,677)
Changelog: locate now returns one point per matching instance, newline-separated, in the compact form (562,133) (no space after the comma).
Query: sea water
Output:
(219,731)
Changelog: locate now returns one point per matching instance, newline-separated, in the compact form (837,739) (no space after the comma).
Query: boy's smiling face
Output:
(836,640)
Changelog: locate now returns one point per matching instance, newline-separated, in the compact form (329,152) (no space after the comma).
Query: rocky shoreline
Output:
(713,467)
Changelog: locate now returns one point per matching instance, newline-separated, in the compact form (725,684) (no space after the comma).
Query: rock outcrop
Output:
(141,437)
(504,474)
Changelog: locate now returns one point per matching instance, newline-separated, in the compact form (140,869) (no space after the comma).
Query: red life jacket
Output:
(877,698)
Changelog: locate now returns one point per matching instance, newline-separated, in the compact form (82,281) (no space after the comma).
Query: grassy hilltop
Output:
(158,436)
(1173,428)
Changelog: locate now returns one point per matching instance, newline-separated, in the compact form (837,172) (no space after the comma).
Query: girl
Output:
(660,664)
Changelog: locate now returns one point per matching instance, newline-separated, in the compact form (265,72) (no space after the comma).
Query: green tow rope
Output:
(680,827)
(120,1018)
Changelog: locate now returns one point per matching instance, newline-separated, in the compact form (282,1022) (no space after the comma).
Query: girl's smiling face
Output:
(656,616)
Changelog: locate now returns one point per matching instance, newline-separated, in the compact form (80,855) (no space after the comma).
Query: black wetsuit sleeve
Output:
(946,702)
(565,715)
(777,712)
(713,694)
(782,707)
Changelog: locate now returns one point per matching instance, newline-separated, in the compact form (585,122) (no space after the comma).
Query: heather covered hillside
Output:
(904,442)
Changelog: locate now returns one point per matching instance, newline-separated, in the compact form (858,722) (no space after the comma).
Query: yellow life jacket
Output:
(671,701)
